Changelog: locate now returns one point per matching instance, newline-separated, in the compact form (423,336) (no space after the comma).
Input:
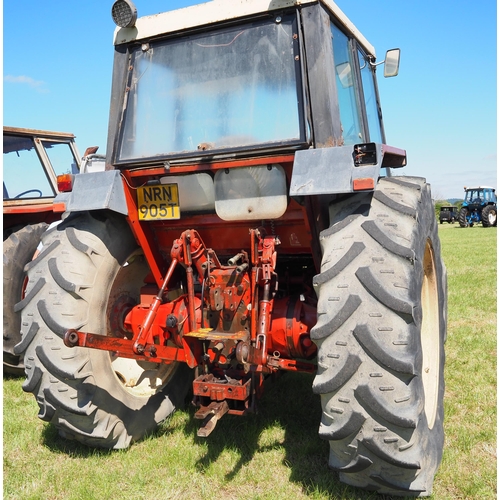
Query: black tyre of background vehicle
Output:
(462,217)
(489,216)
(86,278)
(18,249)
(382,306)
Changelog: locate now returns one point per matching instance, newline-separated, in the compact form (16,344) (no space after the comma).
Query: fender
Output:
(94,191)
(342,169)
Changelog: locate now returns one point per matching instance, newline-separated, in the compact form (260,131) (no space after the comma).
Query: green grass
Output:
(469,462)
(277,454)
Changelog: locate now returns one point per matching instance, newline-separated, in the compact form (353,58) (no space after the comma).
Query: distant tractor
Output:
(448,214)
(480,205)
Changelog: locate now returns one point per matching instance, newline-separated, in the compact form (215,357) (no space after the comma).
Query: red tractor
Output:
(248,223)
(32,160)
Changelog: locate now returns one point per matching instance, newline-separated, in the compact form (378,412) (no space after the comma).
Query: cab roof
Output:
(479,188)
(217,11)
(36,132)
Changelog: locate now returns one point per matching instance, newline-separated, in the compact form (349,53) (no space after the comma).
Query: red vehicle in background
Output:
(32,160)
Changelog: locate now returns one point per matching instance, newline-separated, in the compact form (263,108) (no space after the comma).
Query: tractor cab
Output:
(210,83)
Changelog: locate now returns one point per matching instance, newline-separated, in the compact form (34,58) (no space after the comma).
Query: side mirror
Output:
(391,66)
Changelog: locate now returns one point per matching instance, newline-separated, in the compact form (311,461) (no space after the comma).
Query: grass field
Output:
(277,453)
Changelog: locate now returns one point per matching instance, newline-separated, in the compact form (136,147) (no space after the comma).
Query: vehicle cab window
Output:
(61,157)
(370,98)
(350,115)
(356,91)
(23,170)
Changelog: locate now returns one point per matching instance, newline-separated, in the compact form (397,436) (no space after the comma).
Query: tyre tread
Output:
(373,411)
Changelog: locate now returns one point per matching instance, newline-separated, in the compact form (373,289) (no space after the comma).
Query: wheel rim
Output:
(492,217)
(138,378)
(430,336)
(141,379)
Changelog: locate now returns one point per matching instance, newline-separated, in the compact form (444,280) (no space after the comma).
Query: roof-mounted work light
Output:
(124,13)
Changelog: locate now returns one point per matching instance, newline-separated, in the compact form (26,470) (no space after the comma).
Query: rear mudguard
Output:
(343,169)
(95,191)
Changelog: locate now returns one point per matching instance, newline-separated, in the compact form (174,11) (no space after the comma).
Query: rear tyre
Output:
(86,278)
(462,217)
(380,335)
(489,216)
(18,250)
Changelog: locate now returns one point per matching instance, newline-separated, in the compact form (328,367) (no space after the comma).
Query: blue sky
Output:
(58,55)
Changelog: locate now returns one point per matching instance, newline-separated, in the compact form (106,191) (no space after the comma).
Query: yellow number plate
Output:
(158,202)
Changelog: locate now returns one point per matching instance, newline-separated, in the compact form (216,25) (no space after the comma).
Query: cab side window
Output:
(350,118)
(370,98)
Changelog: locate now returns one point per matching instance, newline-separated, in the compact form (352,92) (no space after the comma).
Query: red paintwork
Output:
(227,322)
(14,216)
(291,322)
(225,238)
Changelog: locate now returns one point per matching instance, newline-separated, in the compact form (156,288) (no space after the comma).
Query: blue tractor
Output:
(480,205)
